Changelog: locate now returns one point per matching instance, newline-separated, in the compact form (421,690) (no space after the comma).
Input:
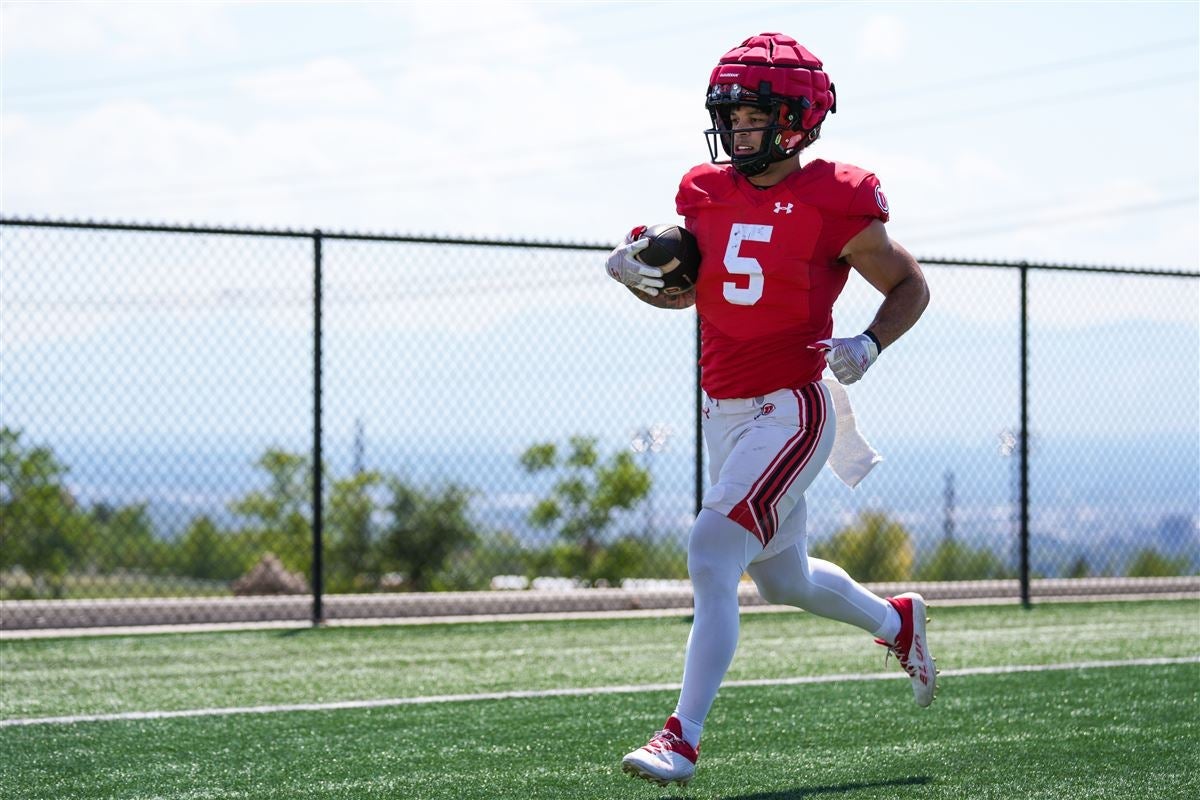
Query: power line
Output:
(1166,185)
(425,173)
(1015,107)
(409,181)
(53,94)
(141,78)
(1044,68)
(50,91)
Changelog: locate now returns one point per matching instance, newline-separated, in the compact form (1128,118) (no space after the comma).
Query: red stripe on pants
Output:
(757,511)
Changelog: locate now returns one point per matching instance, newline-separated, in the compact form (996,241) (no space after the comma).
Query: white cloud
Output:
(327,83)
(503,138)
(488,35)
(883,38)
(117,145)
(970,166)
(124,31)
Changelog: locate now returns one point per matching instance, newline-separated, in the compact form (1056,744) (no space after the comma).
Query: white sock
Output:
(691,728)
(890,629)
(718,552)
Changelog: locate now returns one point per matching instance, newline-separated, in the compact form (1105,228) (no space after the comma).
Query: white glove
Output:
(849,358)
(624,267)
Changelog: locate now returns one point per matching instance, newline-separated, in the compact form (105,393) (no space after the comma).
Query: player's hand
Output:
(622,266)
(848,358)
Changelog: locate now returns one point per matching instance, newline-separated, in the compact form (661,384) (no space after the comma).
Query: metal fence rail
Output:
(192,418)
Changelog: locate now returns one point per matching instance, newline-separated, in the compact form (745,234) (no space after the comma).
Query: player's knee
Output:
(706,568)
(773,594)
(716,551)
(782,580)
(782,593)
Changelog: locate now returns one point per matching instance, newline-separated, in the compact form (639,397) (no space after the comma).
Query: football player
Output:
(778,239)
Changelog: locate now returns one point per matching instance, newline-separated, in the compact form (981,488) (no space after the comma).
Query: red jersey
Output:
(769,272)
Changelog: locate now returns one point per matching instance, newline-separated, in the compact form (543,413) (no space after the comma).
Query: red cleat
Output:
(912,647)
(666,758)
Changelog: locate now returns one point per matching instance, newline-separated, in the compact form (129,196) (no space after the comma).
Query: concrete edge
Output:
(124,617)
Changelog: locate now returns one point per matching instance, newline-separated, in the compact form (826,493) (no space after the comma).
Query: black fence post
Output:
(1023,531)
(318,472)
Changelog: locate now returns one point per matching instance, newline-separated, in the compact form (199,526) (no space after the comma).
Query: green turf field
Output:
(496,710)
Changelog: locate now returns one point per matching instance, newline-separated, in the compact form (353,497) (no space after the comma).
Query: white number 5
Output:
(736,264)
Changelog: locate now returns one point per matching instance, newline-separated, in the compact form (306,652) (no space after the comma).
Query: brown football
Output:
(674,250)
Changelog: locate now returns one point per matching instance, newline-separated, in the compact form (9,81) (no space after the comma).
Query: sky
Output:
(1056,132)
(1045,132)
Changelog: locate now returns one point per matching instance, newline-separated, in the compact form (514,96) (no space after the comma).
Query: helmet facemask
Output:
(782,138)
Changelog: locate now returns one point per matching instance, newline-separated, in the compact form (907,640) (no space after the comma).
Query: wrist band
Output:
(875,339)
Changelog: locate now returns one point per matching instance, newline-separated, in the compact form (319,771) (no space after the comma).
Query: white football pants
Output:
(764,453)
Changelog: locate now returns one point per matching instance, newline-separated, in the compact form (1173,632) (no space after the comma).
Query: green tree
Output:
(496,553)
(955,561)
(1079,569)
(351,534)
(874,548)
(1149,563)
(205,551)
(582,503)
(425,529)
(123,539)
(636,556)
(279,513)
(41,528)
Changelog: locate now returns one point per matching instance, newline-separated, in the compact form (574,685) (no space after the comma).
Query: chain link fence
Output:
(492,426)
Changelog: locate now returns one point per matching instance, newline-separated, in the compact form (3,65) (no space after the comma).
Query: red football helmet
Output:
(775,73)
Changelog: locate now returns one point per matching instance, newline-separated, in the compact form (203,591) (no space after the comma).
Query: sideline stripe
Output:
(580,692)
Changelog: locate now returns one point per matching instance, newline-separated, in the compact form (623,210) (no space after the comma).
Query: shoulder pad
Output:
(699,185)
(853,190)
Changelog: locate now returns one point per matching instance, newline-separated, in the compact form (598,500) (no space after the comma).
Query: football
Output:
(674,250)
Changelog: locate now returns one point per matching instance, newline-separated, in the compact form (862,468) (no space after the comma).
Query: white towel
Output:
(852,457)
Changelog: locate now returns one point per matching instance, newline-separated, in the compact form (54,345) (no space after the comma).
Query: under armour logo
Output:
(781,207)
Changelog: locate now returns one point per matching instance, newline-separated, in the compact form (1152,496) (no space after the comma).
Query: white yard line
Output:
(580,692)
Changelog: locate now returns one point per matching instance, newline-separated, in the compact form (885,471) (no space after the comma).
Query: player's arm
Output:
(890,269)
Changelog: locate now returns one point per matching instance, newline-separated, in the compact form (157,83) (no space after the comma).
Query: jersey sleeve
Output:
(861,201)
(868,199)
(694,194)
